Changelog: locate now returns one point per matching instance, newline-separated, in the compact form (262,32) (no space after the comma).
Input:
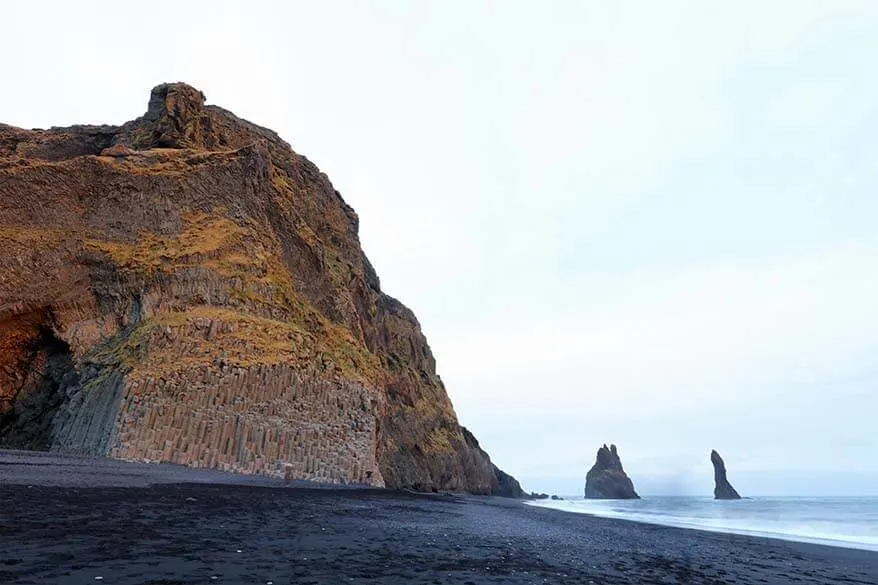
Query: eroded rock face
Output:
(186,288)
(506,485)
(607,480)
(723,489)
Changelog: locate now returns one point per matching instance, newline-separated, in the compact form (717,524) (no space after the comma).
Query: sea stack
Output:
(723,489)
(606,480)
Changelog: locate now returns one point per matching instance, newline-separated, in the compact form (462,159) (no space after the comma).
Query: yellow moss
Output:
(433,403)
(251,258)
(241,340)
(214,243)
(339,270)
(278,277)
(203,234)
(160,161)
(252,340)
(126,352)
(440,440)
(308,235)
(279,181)
(29,236)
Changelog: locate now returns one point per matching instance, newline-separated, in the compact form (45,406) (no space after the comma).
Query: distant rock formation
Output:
(607,480)
(723,489)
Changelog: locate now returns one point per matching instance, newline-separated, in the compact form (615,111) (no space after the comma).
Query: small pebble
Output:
(239,550)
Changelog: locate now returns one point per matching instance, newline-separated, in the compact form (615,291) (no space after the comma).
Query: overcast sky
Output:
(647,223)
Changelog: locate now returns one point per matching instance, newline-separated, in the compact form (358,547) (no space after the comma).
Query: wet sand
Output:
(74,520)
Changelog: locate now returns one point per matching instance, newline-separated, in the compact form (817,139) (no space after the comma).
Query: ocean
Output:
(838,521)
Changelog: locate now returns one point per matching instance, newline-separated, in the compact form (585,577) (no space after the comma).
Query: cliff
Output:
(723,490)
(186,288)
(607,480)
(507,486)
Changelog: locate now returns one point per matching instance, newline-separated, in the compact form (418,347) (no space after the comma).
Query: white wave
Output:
(845,522)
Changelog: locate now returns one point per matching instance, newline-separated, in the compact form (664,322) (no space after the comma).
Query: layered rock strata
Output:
(186,288)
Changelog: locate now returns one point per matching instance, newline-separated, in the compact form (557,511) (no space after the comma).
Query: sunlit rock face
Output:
(186,288)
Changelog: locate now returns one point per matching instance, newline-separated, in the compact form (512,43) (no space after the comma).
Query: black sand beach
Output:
(86,521)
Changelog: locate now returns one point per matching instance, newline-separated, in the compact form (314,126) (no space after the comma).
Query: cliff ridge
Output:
(186,288)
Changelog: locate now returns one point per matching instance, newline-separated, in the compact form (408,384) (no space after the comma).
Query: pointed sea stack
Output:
(723,489)
(607,480)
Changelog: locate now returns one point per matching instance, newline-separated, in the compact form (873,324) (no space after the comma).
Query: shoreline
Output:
(829,542)
(221,532)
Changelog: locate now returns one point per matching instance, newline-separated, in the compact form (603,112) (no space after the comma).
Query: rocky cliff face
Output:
(507,486)
(723,489)
(186,288)
(607,480)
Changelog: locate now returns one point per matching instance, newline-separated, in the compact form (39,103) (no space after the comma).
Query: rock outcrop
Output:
(507,486)
(186,288)
(723,489)
(607,480)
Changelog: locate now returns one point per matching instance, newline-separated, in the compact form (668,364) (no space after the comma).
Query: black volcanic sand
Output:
(74,520)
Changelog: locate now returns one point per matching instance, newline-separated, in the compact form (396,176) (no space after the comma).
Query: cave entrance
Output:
(35,368)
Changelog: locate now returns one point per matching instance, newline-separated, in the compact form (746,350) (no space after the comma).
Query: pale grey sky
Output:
(648,223)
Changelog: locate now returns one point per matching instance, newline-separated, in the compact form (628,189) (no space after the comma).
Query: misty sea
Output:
(837,521)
